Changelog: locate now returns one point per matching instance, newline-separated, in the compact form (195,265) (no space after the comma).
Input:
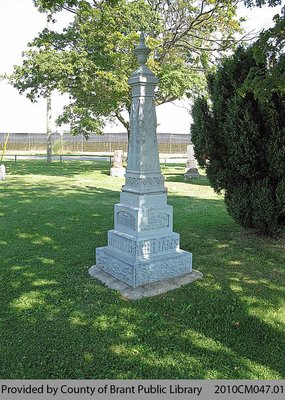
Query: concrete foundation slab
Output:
(147,290)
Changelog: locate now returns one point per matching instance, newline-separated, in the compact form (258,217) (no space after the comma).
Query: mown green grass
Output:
(57,322)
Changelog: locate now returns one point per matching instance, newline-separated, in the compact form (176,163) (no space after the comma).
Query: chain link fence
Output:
(65,143)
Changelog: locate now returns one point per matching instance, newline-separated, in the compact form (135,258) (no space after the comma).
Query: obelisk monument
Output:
(142,247)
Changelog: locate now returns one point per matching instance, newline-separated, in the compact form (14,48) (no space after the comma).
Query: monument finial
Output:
(142,40)
(142,51)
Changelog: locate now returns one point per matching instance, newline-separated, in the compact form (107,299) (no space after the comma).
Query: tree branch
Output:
(122,120)
(167,99)
(69,9)
(200,18)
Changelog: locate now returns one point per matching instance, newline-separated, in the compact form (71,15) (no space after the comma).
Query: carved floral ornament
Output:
(143,119)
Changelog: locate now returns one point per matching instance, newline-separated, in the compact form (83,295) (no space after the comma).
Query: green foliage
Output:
(268,53)
(242,136)
(69,5)
(260,3)
(202,124)
(58,147)
(55,5)
(93,57)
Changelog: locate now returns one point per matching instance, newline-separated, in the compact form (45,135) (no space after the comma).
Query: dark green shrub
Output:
(240,140)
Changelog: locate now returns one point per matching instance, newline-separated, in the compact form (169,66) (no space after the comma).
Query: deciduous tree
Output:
(92,58)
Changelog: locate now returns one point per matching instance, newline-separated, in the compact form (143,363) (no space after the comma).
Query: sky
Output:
(20,22)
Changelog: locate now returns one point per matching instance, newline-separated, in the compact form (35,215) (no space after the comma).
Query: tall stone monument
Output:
(142,247)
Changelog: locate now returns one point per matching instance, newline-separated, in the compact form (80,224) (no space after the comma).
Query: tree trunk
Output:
(124,122)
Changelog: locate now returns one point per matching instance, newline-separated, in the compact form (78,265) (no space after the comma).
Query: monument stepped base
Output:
(141,272)
(148,290)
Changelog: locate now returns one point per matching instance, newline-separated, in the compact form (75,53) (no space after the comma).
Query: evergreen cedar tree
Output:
(239,132)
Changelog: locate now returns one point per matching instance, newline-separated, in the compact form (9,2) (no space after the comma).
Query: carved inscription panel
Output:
(144,247)
(126,219)
(155,220)
(149,181)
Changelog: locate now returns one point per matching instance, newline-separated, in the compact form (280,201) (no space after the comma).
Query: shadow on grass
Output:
(67,168)
(172,177)
(57,322)
(176,174)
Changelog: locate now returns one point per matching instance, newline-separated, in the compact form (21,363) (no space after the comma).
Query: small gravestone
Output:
(191,164)
(2,172)
(117,166)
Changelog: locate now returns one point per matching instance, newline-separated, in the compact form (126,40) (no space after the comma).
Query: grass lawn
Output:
(57,322)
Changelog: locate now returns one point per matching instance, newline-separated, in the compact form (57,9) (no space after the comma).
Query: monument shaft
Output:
(142,247)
